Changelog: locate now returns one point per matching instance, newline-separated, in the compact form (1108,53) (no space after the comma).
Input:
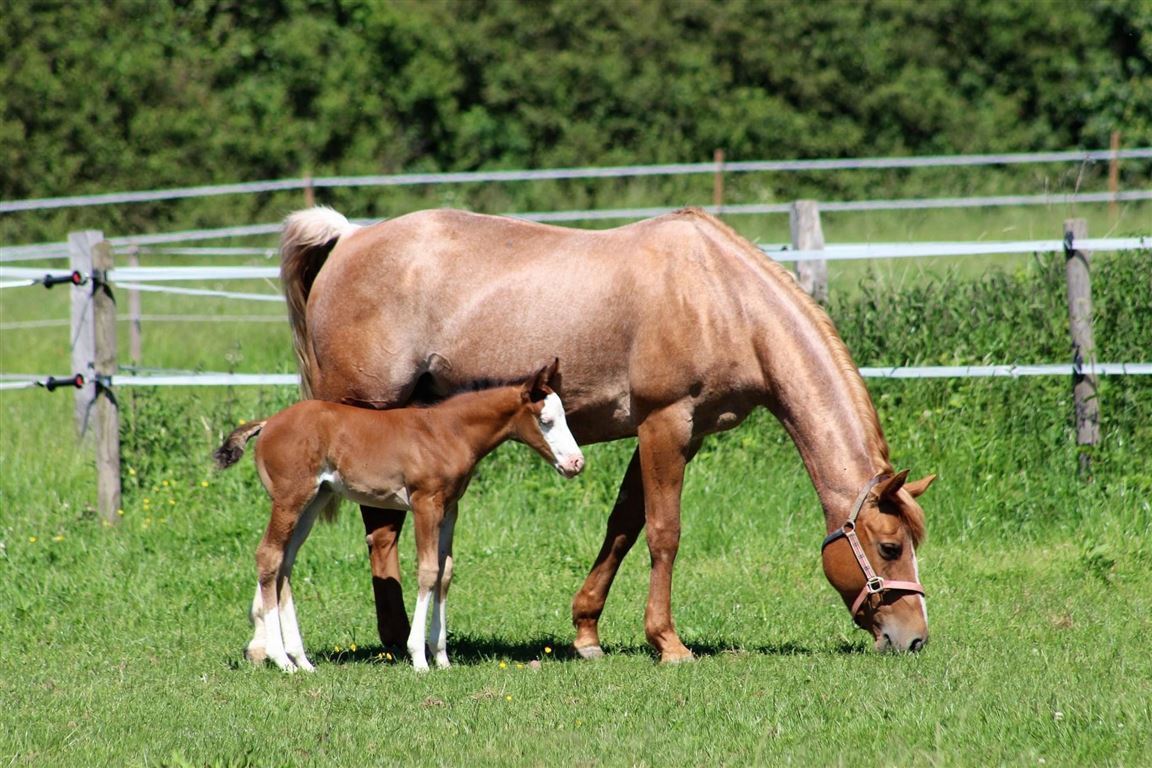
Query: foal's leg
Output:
(382,531)
(270,559)
(427,514)
(256,651)
(438,633)
(289,627)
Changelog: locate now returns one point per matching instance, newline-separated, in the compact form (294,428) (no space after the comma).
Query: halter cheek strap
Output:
(873,584)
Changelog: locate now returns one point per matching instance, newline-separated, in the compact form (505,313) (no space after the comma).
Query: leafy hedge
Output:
(130,94)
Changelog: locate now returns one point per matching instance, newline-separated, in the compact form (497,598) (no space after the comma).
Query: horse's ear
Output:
(888,487)
(917,487)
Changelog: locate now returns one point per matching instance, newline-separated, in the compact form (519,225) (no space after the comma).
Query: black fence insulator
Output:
(52,383)
(75,278)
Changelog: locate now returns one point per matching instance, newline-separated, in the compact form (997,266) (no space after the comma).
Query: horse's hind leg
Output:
(438,633)
(624,526)
(382,531)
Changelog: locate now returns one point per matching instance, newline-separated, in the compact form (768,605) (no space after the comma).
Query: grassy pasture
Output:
(124,646)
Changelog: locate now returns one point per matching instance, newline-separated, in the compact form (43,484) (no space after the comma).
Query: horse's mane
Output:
(842,359)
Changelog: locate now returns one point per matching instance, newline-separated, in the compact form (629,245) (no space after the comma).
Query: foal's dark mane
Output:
(424,396)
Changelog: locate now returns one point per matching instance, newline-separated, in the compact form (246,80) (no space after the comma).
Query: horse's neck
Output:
(816,392)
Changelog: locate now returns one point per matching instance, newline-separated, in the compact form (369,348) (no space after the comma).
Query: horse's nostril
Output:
(916,645)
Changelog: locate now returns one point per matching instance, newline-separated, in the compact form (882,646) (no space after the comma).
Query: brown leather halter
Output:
(873,584)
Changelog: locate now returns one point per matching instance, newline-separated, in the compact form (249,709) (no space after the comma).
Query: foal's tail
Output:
(308,237)
(233,448)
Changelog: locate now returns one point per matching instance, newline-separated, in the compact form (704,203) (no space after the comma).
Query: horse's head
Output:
(871,561)
(542,424)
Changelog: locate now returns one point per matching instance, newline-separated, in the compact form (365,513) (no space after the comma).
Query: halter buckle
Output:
(874,585)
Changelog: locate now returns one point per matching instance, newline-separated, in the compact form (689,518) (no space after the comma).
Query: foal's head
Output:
(540,423)
(888,527)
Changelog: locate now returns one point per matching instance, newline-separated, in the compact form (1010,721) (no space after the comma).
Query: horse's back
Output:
(443,297)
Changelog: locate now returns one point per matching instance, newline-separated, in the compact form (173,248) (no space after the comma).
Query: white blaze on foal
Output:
(418,459)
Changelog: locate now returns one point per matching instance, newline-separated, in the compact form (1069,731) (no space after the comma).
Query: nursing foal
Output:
(417,459)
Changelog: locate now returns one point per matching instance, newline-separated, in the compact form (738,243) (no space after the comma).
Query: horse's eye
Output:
(890,551)
(545,421)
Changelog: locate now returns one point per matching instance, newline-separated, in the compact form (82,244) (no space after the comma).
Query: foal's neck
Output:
(480,420)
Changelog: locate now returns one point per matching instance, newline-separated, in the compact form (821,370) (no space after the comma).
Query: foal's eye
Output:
(890,551)
(546,421)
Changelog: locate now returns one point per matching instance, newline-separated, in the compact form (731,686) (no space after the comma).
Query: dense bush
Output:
(135,95)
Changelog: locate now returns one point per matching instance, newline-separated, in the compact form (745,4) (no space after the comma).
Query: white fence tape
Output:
(40,251)
(27,381)
(833,206)
(273,297)
(132,277)
(411,179)
(922,250)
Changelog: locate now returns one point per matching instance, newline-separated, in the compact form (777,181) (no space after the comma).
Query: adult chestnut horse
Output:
(671,329)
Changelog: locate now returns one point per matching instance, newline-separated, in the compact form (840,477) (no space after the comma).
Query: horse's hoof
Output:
(678,656)
(590,652)
(255,656)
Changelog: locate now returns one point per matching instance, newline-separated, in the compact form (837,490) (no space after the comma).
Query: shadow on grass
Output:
(475,650)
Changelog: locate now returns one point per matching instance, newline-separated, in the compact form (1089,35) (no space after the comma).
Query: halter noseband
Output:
(873,584)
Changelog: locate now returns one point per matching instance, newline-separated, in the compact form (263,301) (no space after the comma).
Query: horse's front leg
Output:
(665,447)
(624,526)
(438,633)
(427,514)
(382,530)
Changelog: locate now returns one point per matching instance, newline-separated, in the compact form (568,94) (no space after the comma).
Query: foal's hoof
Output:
(590,652)
(255,656)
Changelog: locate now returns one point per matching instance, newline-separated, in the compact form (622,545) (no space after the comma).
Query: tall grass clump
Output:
(1008,445)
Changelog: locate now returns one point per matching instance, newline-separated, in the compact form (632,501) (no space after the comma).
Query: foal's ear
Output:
(550,371)
(537,388)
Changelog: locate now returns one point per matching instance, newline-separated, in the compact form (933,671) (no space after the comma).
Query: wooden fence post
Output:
(807,235)
(718,181)
(1114,178)
(309,191)
(82,340)
(1084,382)
(94,355)
(106,421)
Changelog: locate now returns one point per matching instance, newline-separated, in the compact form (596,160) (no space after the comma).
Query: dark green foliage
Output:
(135,95)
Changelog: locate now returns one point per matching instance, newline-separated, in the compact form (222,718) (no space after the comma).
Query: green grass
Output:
(124,646)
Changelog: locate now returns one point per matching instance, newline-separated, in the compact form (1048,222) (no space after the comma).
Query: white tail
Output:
(308,238)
